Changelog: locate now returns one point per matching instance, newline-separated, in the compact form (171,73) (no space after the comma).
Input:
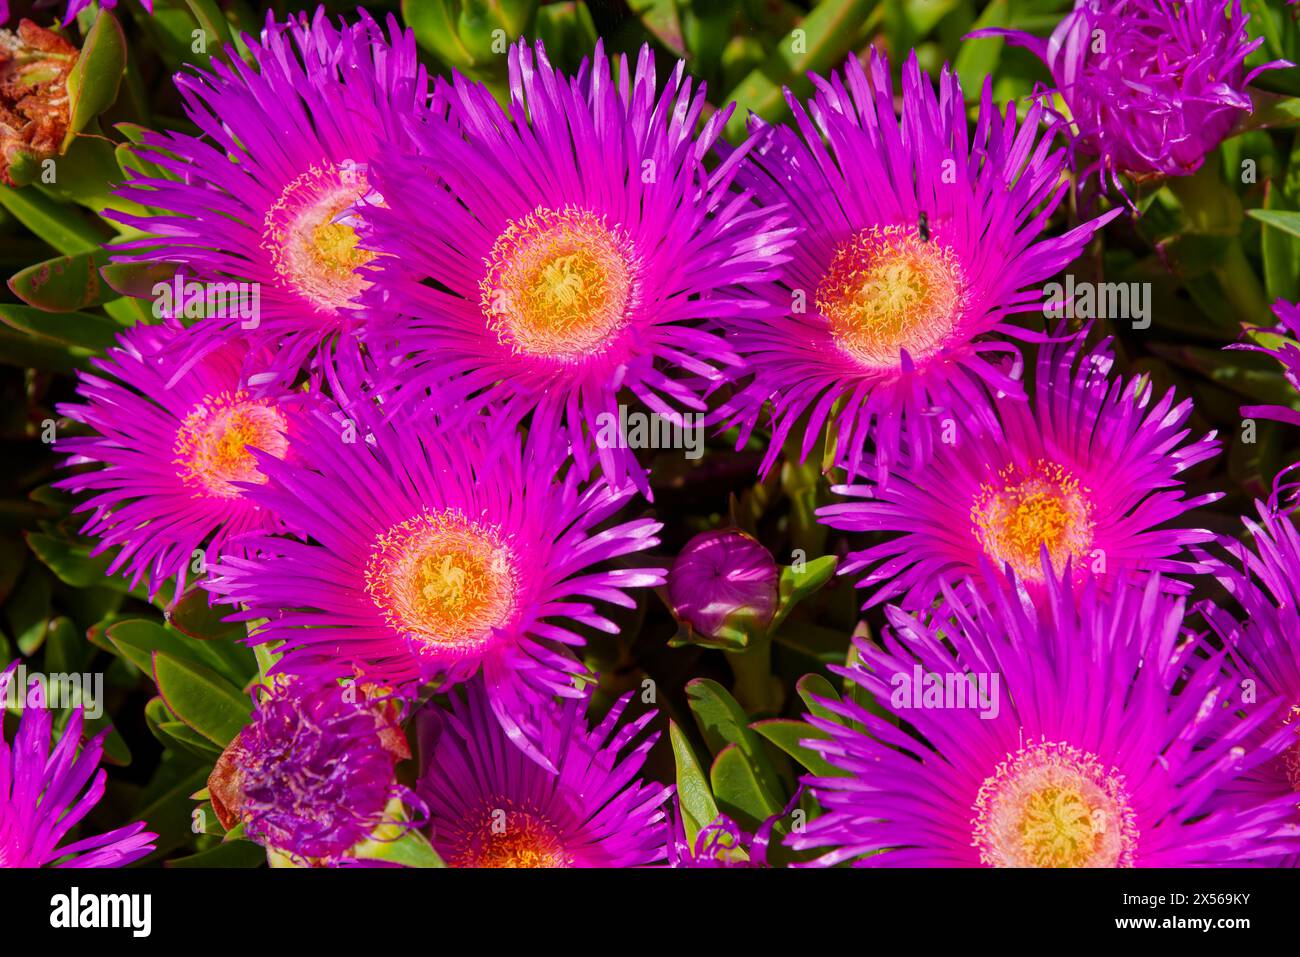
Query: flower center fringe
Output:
(212,443)
(1291,756)
(309,247)
(887,290)
(443,580)
(511,838)
(1016,516)
(559,284)
(1052,805)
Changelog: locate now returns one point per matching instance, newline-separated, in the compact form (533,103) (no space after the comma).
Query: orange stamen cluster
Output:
(887,290)
(1053,805)
(559,284)
(212,443)
(1026,509)
(513,838)
(443,580)
(311,250)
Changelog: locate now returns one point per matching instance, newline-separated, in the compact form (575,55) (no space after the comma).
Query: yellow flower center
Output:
(887,290)
(212,443)
(1052,805)
(313,252)
(443,580)
(511,839)
(1014,517)
(559,284)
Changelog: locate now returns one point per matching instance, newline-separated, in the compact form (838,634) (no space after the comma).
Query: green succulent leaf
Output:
(62,284)
(94,81)
(812,687)
(232,854)
(80,330)
(136,279)
(817,44)
(788,736)
(693,791)
(738,789)
(62,226)
(723,723)
(201,698)
(798,583)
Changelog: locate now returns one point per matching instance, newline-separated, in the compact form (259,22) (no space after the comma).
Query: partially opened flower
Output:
(1263,577)
(312,774)
(263,195)
(1045,736)
(175,460)
(45,793)
(1151,86)
(434,552)
(490,805)
(719,843)
(917,238)
(1087,472)
(577,247)
(1281,344)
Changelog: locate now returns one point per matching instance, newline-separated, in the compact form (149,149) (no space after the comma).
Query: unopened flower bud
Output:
(724,585)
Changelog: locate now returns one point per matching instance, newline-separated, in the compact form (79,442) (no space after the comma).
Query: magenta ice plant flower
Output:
(173,459)
(918,237)
(47,791)
(1088,472)
(1150,86)
(263,195)
(312,774)
(491,806)
(432,552)
(724,585)
(569,254)
(1261,629)
(1057,737)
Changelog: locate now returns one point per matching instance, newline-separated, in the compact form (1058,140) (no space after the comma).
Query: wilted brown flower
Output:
(34,68)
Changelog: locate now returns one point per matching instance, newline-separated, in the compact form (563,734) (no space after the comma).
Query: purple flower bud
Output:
(1151,87)
(724,584)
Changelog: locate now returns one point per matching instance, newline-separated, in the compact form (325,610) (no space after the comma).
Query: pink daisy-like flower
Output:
(45,793)
(1052,741)
(916,240)
(1151,86)
(1086,472)
(549,258)
(175,458)
(491,806)
(263,196)
(1263,578)
(433,553)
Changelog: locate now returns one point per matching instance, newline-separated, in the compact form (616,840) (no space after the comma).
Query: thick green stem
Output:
(1213,208)
(757,690)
